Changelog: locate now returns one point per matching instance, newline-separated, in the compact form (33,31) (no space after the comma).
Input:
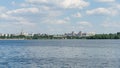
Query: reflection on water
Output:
(60,54)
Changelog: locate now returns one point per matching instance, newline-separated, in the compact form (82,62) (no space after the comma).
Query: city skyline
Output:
(59,16)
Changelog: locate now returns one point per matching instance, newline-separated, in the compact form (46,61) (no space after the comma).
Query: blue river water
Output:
(59,53)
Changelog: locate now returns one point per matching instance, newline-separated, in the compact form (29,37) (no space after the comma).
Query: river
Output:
(59,53)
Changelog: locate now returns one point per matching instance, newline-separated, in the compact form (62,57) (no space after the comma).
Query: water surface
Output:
(59,53)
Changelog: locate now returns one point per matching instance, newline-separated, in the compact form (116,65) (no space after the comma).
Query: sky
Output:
(59,16)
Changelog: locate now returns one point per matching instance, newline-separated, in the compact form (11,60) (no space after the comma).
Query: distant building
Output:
(90,33)
(79,34)
(1,34)
(84,34)
(24,33)
(58,36)
(73,33)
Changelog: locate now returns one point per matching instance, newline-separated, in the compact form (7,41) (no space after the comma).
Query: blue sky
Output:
(59,16)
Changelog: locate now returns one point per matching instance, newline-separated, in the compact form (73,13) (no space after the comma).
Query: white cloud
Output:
(106,0)
(108,11)
(24,10)
(63,3)
(117,6)
(55,21)
(84,23)
(74,4)
(16,20)
(7,17)
(37,15)
(98,11)
(4,16)
(77,15)
(37,1)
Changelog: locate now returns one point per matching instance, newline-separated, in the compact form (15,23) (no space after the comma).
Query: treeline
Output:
(46,36)
(54,37)
(104,36)
(27,37)
(36,36)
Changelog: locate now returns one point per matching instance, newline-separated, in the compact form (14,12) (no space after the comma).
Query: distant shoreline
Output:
(59,39)
(12,39)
